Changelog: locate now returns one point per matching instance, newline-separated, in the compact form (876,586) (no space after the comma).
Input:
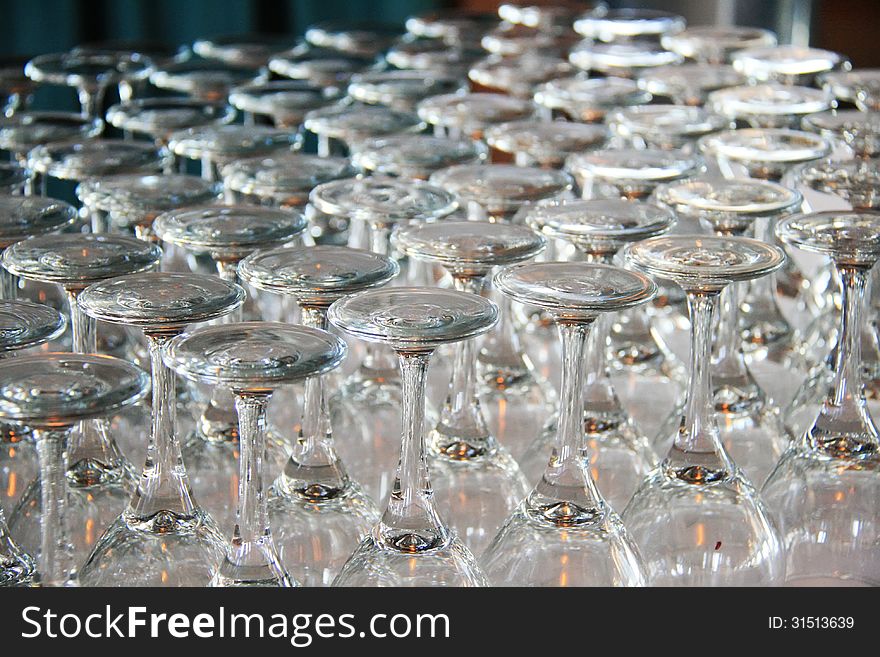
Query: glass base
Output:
(374,564)
(315,539)
(716,533)
(165,550)
(532,551)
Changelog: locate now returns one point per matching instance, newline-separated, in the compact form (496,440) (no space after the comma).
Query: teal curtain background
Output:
(29,27)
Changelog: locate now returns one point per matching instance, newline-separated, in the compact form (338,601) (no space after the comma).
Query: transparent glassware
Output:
(24,131)
(159,118)
(545,144)
(203,79)
(51,393)
(545,18)
(604,24)
(324,67)
(131,202)
(620,451)
(564,533)
(468,115)
(341,127)
(625,60)
(82,159)
(477,481)
(285,102)
(252,359)
(14,178)
(518,75)
(689,84)
(215,146)
(416,156)
(787,64)
(367,405)
(22,217)
(16,89)
(411,545)
(858,130)
(163,537)
(514,396)
(433,55)
(99,478)
(247,50)
(23,325)
(314,496)
(664,127)
(696,518)
(715,44)
(769,105)
(823,491)
(89,73)
(748,417)
(512,40)
(227,233)
(366,39)
(766,154)
(588,99)
(861,87)
(452,27)
(402,90)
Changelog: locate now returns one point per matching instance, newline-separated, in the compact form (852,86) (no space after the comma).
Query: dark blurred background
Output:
(36,26)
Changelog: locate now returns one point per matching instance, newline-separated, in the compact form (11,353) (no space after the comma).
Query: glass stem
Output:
(55,549)
(252,536)
(410,523)
(844,426)
(461,432)
(314,470)
(696,453)
(90,101)
(566,493)
(93,456)
(163,494)
(8,284)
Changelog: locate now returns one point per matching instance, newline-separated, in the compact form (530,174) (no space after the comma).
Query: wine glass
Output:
(366,408)
(28,216)
(477,481)
(748,418)
(366,39)
(858,130)
(51,393)
(518,75)
(314,495)
(323,67)
(823,491)
(411,546)
(203,79)
(341,127)
(620,452)
(227,233)
(25,130)
(696,518)
(588,99)
(247,50)
(402,90)
(16,89)
(689,84)
(545,144)
(88,158)
(468,115)
(664,127)
(513,395)
(217,145)
(604,24)
(787,64)
(23,325)
(163,537)
(859,87)
(564,533)
(513,40)
(285,102)
(252,359)
(99,478)
(452,27)
(133,201)
(769,105)
(627,59)
(415,156)
(90,73)
(715,44)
